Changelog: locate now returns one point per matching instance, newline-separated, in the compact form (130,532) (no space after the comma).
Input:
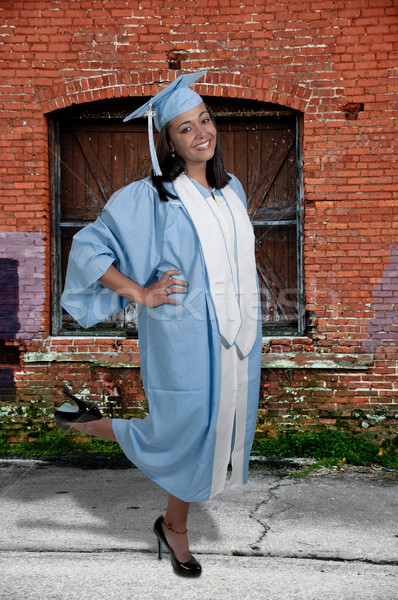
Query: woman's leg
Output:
(176,516)
(101,428)
(177,510)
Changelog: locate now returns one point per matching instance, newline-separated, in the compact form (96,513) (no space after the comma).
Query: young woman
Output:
(180,245)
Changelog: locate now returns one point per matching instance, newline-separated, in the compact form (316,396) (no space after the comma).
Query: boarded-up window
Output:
(94,154)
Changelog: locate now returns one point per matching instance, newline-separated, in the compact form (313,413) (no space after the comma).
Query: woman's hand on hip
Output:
(159,291)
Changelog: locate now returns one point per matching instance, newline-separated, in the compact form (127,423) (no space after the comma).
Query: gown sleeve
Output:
(128,234)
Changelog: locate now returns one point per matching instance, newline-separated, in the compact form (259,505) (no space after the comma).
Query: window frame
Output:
(270,329)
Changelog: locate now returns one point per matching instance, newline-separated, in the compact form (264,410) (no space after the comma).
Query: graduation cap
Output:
(172,101)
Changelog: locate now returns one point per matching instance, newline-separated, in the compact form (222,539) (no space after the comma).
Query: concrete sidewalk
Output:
(83,530)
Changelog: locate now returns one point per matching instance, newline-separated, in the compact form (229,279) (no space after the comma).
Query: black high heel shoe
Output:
(68,414)
(191,568)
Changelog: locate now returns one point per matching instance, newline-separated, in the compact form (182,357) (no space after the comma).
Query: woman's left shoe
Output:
(190,568)
(67,414)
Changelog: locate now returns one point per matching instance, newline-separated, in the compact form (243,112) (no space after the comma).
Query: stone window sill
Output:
(108,354)
(317,360)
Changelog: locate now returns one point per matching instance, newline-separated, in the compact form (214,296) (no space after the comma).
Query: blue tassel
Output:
(155,164)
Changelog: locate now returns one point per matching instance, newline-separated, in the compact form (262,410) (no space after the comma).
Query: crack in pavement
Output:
(272,494)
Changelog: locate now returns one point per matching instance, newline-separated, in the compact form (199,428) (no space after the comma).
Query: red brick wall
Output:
(332,60)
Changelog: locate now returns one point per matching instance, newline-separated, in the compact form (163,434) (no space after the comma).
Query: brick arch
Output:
(250,87)
(233,85)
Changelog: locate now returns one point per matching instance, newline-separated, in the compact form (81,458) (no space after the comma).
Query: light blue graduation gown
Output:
(202,396)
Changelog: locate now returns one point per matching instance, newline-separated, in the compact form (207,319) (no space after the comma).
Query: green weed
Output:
(54,443)
(335,445)
(327,447)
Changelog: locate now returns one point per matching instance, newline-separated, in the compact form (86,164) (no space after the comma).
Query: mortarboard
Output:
(172,101)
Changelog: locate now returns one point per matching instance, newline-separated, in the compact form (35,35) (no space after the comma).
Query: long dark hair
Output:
(173,166)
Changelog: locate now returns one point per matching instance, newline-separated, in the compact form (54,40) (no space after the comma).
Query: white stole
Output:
(236,310)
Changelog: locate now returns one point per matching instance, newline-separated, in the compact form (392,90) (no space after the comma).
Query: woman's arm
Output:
(154,295)
(122,285)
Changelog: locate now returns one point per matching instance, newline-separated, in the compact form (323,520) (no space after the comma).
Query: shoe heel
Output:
(80,403)
(160,548)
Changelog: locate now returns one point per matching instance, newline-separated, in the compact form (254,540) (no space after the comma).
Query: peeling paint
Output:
(5,411)
(377,418)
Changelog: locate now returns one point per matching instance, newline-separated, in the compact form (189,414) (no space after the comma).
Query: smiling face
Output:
(193,137)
